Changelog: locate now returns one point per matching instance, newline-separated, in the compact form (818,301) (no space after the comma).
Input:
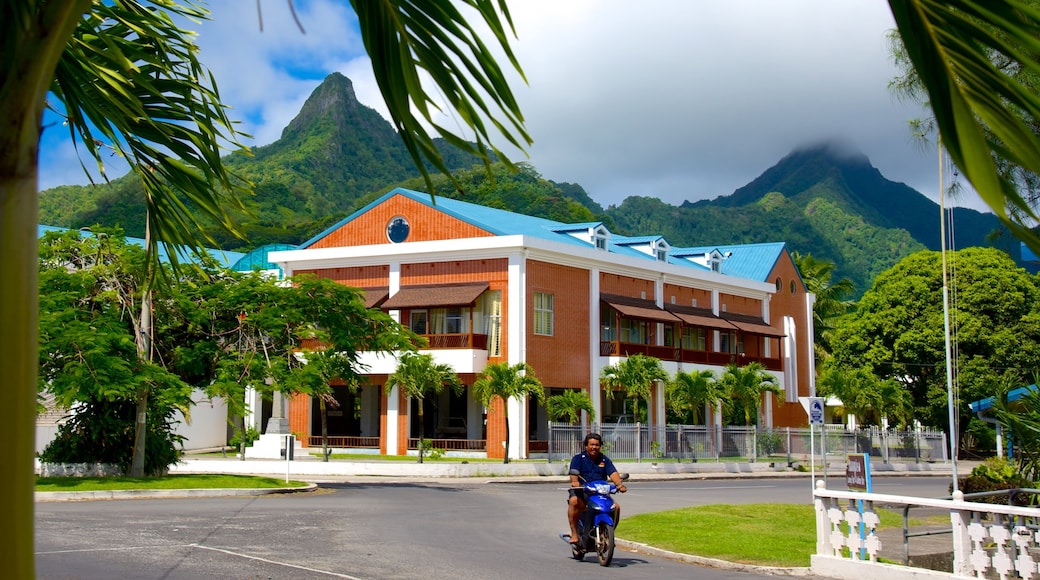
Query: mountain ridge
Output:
(337,154)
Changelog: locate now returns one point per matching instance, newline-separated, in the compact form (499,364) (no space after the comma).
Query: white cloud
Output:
(671,98)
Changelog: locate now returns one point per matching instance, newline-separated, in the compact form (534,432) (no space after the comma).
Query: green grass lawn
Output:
(761,534)
(200,481)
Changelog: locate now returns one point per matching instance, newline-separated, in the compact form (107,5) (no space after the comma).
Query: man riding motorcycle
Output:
(592,465)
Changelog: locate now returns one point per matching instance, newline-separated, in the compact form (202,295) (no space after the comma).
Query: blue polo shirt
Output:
(591,470)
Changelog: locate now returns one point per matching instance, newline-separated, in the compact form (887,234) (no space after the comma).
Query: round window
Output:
(779,284)
(397,229)
(792,286)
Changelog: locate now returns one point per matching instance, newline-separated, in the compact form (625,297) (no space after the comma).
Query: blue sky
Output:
(668,98)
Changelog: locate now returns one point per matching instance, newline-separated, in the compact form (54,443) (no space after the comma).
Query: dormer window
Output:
(661,249)
(715,259)
(599,237)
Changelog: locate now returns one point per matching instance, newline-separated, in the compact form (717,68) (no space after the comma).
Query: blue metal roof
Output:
(257,259)
(989,402)
(223,257)
(750,261)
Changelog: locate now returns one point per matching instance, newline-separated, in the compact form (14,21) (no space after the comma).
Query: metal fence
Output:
(731,443)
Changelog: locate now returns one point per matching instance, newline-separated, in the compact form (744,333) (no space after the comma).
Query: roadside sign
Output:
(816,410)
(857,472)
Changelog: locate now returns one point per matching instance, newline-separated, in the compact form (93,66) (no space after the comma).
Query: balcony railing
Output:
(450,444)
(462,340)
(671,353)
(345,442)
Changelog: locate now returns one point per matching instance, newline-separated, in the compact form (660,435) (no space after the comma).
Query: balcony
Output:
(461,340)
(674,354)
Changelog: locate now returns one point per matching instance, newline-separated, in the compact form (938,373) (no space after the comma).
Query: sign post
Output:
(857,478)
(814,408)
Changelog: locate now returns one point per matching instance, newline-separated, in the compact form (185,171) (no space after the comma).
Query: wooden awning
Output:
(435,295)
(753,325)
(636,308)
(374,297)
(699,317)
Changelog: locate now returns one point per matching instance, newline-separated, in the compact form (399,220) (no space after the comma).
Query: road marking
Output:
(228,552)
(287,565)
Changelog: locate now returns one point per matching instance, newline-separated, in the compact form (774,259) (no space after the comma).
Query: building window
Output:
(635,331)
(543,313)
(694,338)
(489,310)
(727,342)
(662,255)
(417,321)
(601,242)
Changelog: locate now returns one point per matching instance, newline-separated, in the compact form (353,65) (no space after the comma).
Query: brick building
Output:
(485,285)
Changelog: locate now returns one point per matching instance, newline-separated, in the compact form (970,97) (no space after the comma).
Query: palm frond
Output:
(405,38)
(985,115)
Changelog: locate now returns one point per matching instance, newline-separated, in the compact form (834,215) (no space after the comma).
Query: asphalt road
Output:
(457,529)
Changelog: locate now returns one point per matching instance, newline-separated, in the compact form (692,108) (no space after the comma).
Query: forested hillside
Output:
(338,155)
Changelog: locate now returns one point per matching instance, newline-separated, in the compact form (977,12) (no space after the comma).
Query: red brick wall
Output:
(300,417)
(787,303)
(560,360)
(496,429)
(685,296)
(740,305)
(426,224)
(626,286)
(358,277)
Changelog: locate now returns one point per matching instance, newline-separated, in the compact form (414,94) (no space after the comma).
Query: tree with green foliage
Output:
(897,330)
(419,376)
(635,376)
(569,405)
(90,287)
(695,394)
(504,381)
(746,385)
(871,400)
(832,298)
(126,77)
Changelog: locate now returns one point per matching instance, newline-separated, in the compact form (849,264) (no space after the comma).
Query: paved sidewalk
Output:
(312,468)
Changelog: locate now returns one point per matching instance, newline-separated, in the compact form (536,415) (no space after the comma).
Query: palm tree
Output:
(831,302)
(695,390)
(568,405)
(636,376)
(418,376)
(129,80)
(502,381)
(746,385)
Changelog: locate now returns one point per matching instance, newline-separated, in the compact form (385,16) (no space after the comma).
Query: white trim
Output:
(594,339)
(492,247)
(392,418)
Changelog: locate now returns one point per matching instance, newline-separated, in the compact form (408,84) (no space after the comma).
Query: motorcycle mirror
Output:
(624,477)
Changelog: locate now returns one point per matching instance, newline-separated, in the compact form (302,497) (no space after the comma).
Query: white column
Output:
(517,427)
(394,284)
(392,417)
(594,338)
(516,342)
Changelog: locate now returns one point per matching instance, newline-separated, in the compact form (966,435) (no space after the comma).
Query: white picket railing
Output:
(987,540)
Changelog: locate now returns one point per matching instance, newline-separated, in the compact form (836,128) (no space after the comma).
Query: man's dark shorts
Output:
(578,493)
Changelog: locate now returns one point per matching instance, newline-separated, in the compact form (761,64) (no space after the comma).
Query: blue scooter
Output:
(596,525)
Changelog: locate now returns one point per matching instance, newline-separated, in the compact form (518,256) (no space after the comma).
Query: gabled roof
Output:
(750,261)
